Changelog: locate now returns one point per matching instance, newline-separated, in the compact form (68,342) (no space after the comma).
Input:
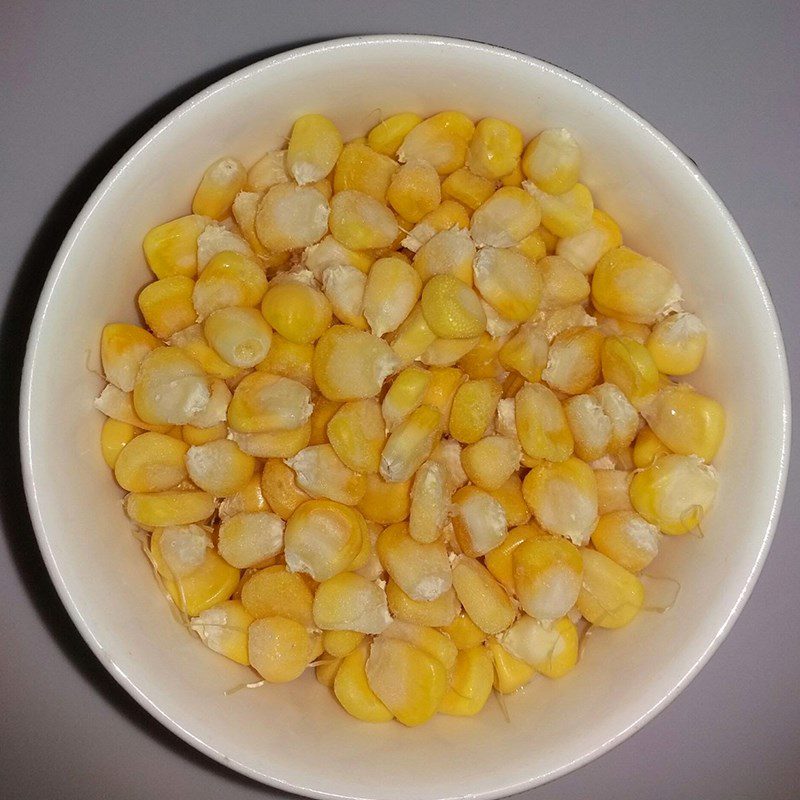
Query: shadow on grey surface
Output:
(14,327)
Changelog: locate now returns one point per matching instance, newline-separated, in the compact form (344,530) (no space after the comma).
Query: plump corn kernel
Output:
(620,412)
(408,681)
(564,284)
(314,145)
(473,409)
(526,352)
(322,474)
(240,336)
(290,217)
(591,428)
(392,290)
(171,248)
(410,443)
(479,521)
(495,148)
(467,188)
(353,692)
(361,222)
(432,613)
(166,305)
(122,348)
(223,629)
(448,453)
(470,683)
(633,287)
(404,395)
(220,467)
(118,405)
(552,160)
(264,403)
(613,490)
(273,444)
(217,238)
(585,249)
(627,364)
(451,309)
(542,426)
(357,433)
(297,310)
(441,140)
(427,639)
(675,492)
(441,390)
(387,136)
(463,632)
(344,287)
(280,488)
(547,576)
(413,337)
(505,219)
(352,365)
(249,499)
(151,462)
(573,360)
(279,648)
(290,360)
(193,342)
(171,388)
(533,246)
(414,190)
(180,550)
(220,183)
(499,560)
(430,500)
(114,437)
(510,673)
(647,448)
(229,279)
(563,498)
(267,171)
(250,539)
(509,282)
(363,169)
(483,598)
(627,539)
(510,497)
(562,319)
(677,344)
(551,649)
(620,327)
(330,253)
(385,502)
(449,214)
(565,214)
(450,252)
(610,596)
(350,602)
(340,643)
(276,592)
(491,461)
(323,538)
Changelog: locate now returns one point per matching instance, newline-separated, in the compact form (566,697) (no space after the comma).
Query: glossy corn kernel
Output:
(510,497)
(585,249)
(118,405)
(686,421)
(414,190)
(385,502)
(408,681)
(404,395)
(422,571)
(363,169)
(573,360)
(223,629)
(114,437)
(297,310)
(314,145)
(541,424)
(470,683)
(613,490)
(449,214)
(675,492)
(250,539)
(249,499)
(220,467)
(240,336)
(495,148)
(350,602)
(451,309)
(413,337)
(357,433)
(552,160)
(122,348)
(289,359)
(450,252)
(264,403)
(550,648)
(563,498)
(441,390)
(473,409)
(171,248)
(229,279)
(273,444)
(430,501)
(276,592)
(505,219)
(509,282)
(633,287)
(344,287)
(565,214)
(290,217)
(547,576)
(329,253)
(479,521)
(564,284)
(387,136)
(166,305)
(677,344)
(432,613)
(610,596)
(279,648)
(410,443)
(491,461)
(353,692)
(467,188)
(151,462)
(340,643)
(280,488)
(220,184)
(392,290)
(627,364)
(627,539)
(321,473)
(352,365)
(526,352)
(427,639)
(441,140)
(463,632)
(483,598)
(510,673)
(361,222)
(647,448)
(533,246)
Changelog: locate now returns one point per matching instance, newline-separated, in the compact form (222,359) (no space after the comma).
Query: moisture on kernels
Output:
(550,648)
(414,191)
(452,309)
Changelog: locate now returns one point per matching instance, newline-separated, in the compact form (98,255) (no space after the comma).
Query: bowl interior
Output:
(295,736)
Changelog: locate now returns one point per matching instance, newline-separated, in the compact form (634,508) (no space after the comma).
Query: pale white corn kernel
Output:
(449,252)
(505,219)
(250,539)
(491,461)
(290,217)
(330,253)
(623,416)
(184,548)
(509,282)
(321,473)
(448,453)
(122,349)
(563,283)
(421,570)
(267,171)
(263,403)
(216,410)
(590,426)
(344,286)
(479,521)
(219,467)
(216,239)
(430,501)
(361,222)
(613,486)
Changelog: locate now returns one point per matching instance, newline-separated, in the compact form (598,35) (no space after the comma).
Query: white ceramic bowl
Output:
(294,736)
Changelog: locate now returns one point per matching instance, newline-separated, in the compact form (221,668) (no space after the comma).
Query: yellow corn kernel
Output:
(273,444)
(591,428)
(122,348)
(505,219)
(510,497)
(446,352)
(491,461)
(621,327)
(429,640)
(385,502)
(250,539)
(118,405)
(510,672)
(166,305)
(240,336)
(564,284)
(467,188)
(352,365)
(413,337)
(171,248)
(450,252)
(550,648)
(547,576)
(552,160)
(289,359)
(627,539)
(448,453)
(627,364)
(323,538)
(422,571)
(276,592)
(245,210)
(509,282)
(223,629)
(613,490)
(499,560)
(470,683)
(362,169)
(279,648)
(549,239)
(249,499)
(526,352)
(473,408)
(265,403)
(563,498)
(533,246)
(513,178)
(405,394)
(392,290)
(357,434)
(298,311)
(114,437)
(220,467)
(387,136)
(329,253)
(621,414)
(541,424)
(314,145)
(573,360)
(151,462)
(677,344)
(350,602)
(452,309)
(565,214)
(449,214)
(220,184)
(326,669)
(321,473)
(647,448)
(267,171)
(687,422)
(463,632)
(430,500)
(218,238)
(441,140)
(410,443)
(280,488)
(432,613)
(610,596)
(194,575)
(193,435)
(344,287)
(479,522)
(361,222)
(340,643)
(632,287)
(483,598)
(353,692)
(441,389)
(585,249)
(408,681)
(414,190)
(495,148)
(290,217)
(193,343)
(229,279)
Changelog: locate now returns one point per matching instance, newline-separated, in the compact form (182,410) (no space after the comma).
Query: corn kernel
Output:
(340,643)
(329,253)
(626,538)
(193,343)
(326,669)
(495,148)
(321,473)
(229,279)
(280,488)
(510,673)
(344,287)
(533,246)
(361,168)
(353,692)
(452,309)
(647,448)
(551,649)
(505,219)
(473,409)
(297,310)
(467,188)
(290,217)
(441,140)
(152,462)
(166,305)
(677,344)
(509,282)
(372,569)
(483,598)
(430,500)
(526,352)
(217,238)
(404,395)
(220,467)
(449,214)
(610,596)
(279,648)
(573,360)
(479,521)
(585,249)
(591,428)
(171,507)
(491,461)
(448,453)
(432,613)
(265,403)
(499,560)
(446,352)
(564,284)
(114,437)
(241,336)
(552,160)
(566,214)
(410,443)
(314,145)
(414,190)
(249,499)
(620,412)
(290,360)
(273,444)
(510,497)
(627,364)
(250,539)
(122,348)
(276,592)
(387,136)
(450,252)
(613,490)
(350,602)
(441,389)
(361,222)
(118,405)
(429,640)
(541,424)
(470,683)
(267,171)
(392,290)
(223,629)
(171,248)
(245,210)
(357,434)
(413,337)
(463,632)
(220,184)
(385,502)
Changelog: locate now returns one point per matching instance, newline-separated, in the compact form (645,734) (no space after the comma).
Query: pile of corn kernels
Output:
(403,409)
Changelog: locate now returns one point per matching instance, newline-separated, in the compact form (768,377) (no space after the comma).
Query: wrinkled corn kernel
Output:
(449,214)
(510,497)
(413,337)
(526,352)
(499,560)
(273,444)
(405,394)
(564,284)
(223,629)
(509,282)
(122,348)
(612,490)
(290,360)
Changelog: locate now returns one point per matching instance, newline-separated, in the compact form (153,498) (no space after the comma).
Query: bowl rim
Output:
(331,46)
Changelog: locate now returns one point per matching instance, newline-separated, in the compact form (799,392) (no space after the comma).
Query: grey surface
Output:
(82,81)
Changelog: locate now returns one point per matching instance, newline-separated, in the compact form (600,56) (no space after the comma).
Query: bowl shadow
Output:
(14,328)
